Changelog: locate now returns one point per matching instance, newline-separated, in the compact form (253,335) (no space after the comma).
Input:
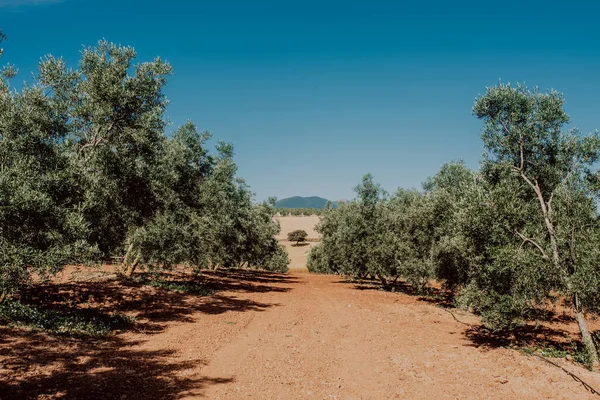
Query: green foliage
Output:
(114,136)
(42,226)
(297,236)
(73,323)
(547,202)
(276,261)
(299,212)
(506,240)
(391,237)
(356,239)
(88,172)
(189,287)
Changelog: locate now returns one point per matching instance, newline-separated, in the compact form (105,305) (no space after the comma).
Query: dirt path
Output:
(269,336)
(327,340)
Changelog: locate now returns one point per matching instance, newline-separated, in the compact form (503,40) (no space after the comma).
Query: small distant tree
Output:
(297,236)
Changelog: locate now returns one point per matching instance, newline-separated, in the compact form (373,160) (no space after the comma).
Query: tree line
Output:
(88,172)
(298,212)
(507,240)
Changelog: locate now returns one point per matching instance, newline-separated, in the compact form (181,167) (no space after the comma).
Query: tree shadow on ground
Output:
(437,296)
(249,275)
(540,331)
(38,366)
(300,244)
(542,340)
(154,307)
(532,336)
(250,281)
(35,365)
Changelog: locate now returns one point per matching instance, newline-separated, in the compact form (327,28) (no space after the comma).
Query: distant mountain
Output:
(303,202)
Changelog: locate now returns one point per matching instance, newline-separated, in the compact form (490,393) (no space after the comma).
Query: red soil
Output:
(273,336)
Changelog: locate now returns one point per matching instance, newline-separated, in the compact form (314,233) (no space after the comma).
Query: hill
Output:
(303,202)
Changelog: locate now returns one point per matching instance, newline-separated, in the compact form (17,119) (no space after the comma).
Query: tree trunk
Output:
(549,226)
(546,207)
(585,333)
(383,281)
(131,268)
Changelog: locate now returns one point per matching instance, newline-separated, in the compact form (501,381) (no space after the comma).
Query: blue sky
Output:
(314,94)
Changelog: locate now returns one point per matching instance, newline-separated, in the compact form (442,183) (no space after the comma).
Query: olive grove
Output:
(89,171)
(519,234)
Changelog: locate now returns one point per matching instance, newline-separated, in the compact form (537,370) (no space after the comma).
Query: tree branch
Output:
(521,148)
(533,242)
(572,375)
(96,138)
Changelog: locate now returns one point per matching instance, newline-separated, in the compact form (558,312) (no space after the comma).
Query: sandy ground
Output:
(270,336)
(298,254)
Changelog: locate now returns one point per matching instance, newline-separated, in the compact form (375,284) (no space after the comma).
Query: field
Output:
(264,335)
(289,224)
(298,254)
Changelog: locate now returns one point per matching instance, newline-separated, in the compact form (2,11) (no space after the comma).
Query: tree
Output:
(549,172)
(175,234)
(208,219)
(88,172)
(115,116)
(445,196)
(156,200)
(297,236)
(413,221)
(357,239)
(41,223)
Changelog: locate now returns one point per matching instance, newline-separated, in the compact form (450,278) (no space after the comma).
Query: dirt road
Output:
(299,336)
(328,340)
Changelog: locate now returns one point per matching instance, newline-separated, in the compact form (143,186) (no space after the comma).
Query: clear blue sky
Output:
(316,93)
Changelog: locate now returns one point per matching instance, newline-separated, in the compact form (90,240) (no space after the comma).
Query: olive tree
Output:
(356,239)
(412,222)
(87,171)
(41,223)
(115,115)
(443,242)
(207,217)
(175,234)
(547,170)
